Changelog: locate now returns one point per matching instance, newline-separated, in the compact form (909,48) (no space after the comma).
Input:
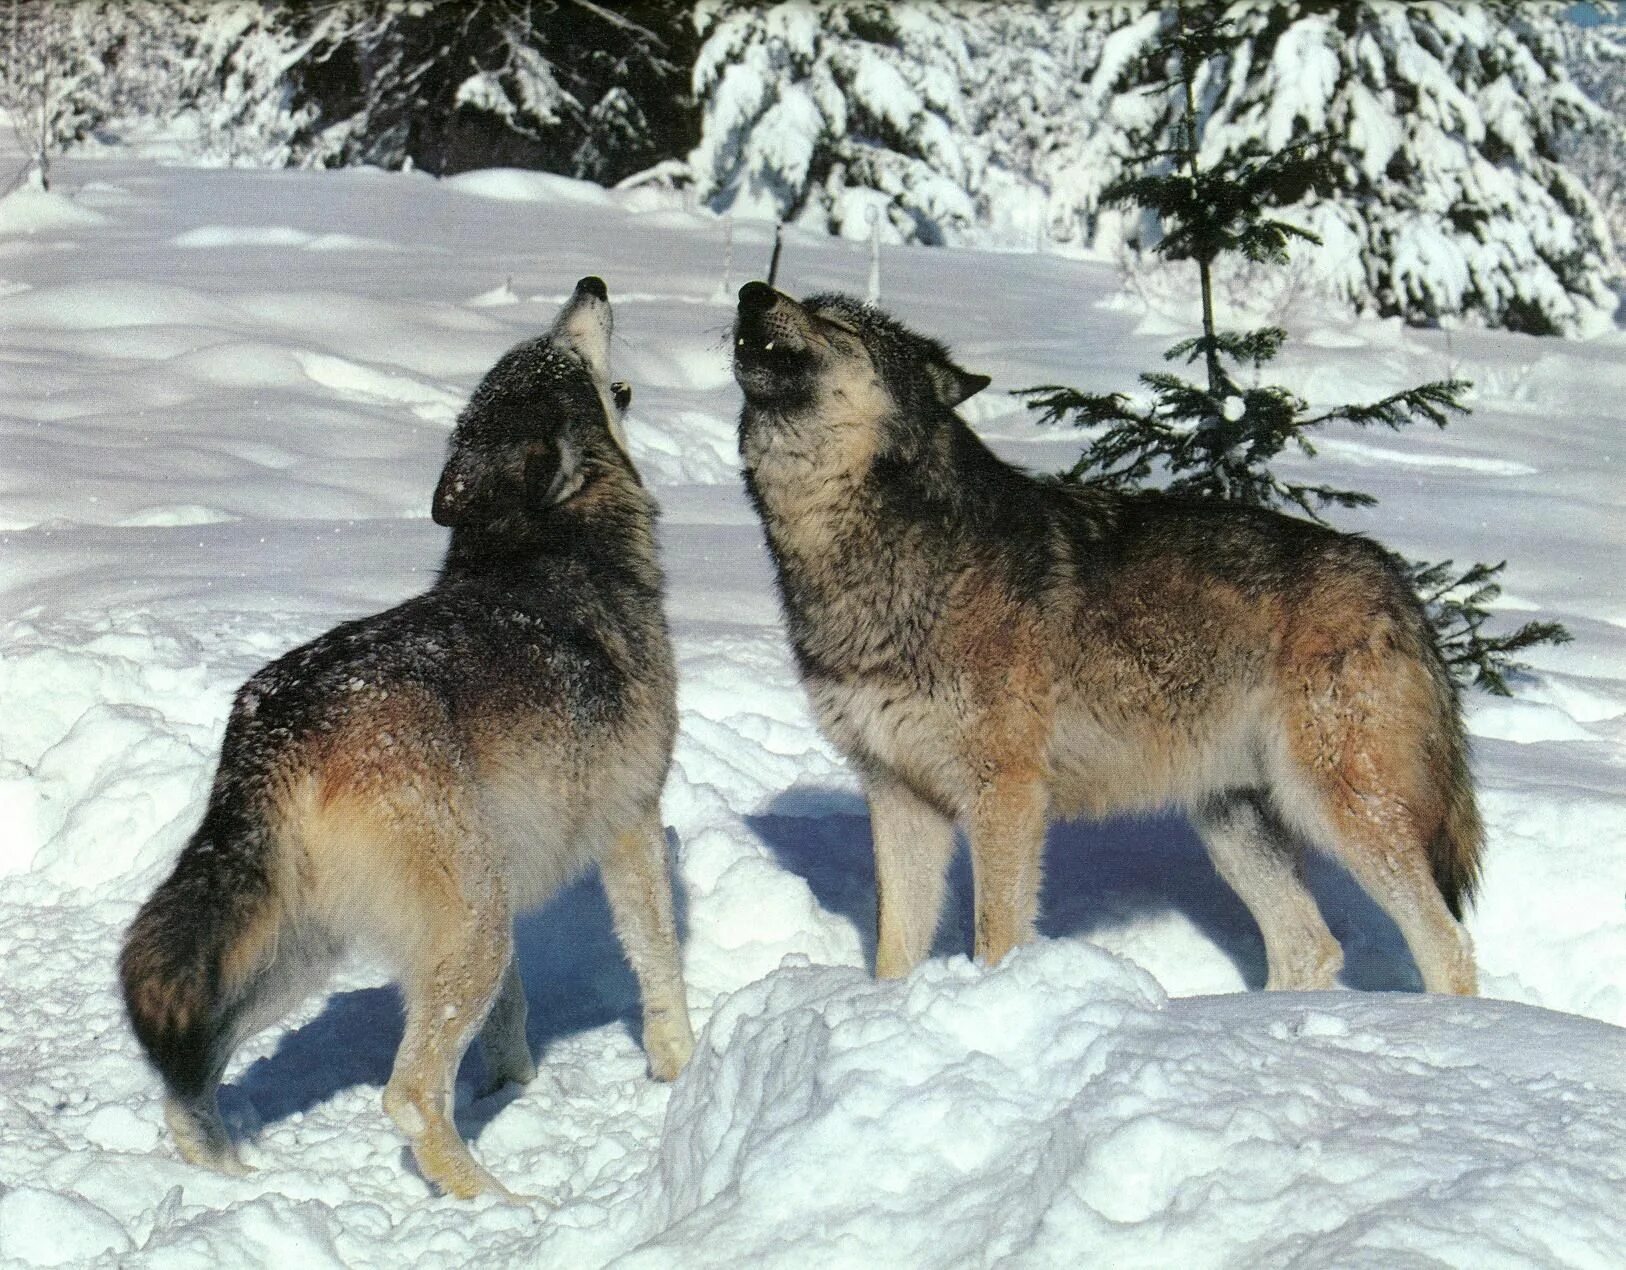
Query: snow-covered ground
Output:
(223,405)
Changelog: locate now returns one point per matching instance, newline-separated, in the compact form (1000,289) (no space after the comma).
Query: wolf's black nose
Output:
(593,285)
(757,297)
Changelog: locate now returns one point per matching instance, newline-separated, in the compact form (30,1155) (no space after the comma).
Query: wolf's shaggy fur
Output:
(406,783)
(993,648)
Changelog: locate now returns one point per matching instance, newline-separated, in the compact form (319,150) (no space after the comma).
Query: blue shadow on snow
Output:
(1098,876)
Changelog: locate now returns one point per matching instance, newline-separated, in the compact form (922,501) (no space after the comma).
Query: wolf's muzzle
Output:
(769,325)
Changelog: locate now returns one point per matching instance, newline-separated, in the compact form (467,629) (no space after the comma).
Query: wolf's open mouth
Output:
(770,339)
(760,350)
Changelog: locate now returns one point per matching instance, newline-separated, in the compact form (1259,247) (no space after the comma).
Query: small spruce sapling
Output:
(1217,439)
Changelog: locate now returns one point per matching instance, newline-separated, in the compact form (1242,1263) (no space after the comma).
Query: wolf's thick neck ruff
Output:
(606,527)
(848,422)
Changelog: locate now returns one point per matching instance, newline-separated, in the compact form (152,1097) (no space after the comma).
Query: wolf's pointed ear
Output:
(553,472)
(545,473)
(953,385)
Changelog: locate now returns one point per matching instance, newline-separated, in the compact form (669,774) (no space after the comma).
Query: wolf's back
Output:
(194,946)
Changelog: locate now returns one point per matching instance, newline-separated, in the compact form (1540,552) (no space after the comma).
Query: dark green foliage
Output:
(1456,611)
(1207,214)
(588,90)
(1185,439)
(1217,439)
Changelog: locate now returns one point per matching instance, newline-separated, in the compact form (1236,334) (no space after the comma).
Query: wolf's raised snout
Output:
(768,320)
(593,285)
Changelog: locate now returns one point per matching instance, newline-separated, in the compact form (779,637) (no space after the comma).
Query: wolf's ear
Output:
(953,385)
(547,472)
(553,472)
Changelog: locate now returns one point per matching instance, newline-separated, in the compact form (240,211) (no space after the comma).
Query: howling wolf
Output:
(407,782)
(993,648)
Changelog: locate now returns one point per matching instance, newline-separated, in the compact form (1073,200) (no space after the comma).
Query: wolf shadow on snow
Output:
(1097,875)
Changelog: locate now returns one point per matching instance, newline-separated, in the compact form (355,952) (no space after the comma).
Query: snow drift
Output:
(225,400)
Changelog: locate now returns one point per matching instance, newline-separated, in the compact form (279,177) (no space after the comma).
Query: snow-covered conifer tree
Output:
(69,68)
(1445,120)
(243,102)
(1597,62)
(586,89)
(830,112)
(1046,109)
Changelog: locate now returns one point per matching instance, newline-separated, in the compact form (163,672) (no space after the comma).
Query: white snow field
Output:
(223,405)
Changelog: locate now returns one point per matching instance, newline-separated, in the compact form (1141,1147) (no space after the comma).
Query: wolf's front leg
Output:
(1008,822)
(913,843)
(640,893)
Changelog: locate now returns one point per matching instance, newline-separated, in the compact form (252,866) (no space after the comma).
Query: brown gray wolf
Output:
(989,647)
(408,782)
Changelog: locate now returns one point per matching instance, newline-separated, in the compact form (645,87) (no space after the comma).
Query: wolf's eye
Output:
(621,394)
(839,324)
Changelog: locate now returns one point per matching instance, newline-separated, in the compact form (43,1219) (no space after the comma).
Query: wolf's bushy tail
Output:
(1455,852)
(193,953)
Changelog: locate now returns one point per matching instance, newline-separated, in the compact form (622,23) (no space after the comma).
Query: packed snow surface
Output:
(224,403)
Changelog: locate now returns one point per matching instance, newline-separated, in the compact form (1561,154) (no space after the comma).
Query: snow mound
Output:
(1061,1102)
(30,210)
(100,305)
(496,297)
(88,758)
(512,185)
(43,1228)
(208,236)
(361,383)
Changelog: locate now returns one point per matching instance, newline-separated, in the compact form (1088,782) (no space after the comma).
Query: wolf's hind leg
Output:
(913,843)
(639,889)
(1402,883)
(1374,792)
(1377,839)
(1008,821)
(1255,855)
(502,1038)
(448,990)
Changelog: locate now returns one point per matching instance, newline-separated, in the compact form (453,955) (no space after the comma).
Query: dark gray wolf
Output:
(993,648)
(407,782)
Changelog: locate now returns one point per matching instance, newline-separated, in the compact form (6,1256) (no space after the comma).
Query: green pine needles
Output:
(1217,439)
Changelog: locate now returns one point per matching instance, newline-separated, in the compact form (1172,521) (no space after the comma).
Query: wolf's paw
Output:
(527,1199)
(446,1164)
(668,1041)
(227,1162)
